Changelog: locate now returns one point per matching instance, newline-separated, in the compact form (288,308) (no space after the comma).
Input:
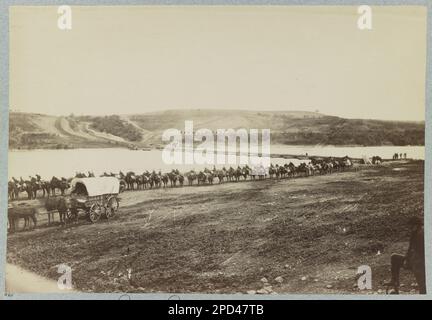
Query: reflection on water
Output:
(48,163)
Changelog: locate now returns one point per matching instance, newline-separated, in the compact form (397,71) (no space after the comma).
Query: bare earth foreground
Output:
(313,232)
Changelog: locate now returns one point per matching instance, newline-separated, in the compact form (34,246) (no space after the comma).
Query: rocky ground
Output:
(304,235)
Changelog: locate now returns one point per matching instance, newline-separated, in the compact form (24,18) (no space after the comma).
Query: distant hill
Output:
(30,130)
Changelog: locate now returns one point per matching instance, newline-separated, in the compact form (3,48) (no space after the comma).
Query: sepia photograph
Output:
(254,150)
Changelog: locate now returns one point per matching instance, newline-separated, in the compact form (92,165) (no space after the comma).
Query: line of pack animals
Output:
(150,180)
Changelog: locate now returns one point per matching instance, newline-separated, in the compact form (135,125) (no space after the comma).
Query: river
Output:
(64,163)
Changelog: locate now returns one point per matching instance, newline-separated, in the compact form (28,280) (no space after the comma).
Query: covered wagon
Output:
(95,196)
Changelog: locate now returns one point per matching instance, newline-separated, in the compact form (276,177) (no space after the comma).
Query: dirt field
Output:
(313,232)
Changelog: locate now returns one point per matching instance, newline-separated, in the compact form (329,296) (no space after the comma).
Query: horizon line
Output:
(207,109)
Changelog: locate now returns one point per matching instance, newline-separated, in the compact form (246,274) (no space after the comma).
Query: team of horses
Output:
(34,184)
(150,180)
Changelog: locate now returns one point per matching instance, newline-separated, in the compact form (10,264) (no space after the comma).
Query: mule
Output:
(21,212)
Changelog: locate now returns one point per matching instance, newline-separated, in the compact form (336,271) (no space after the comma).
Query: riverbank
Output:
(312,232)
(145,130)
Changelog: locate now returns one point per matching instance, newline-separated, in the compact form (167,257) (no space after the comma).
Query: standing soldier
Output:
(414,259)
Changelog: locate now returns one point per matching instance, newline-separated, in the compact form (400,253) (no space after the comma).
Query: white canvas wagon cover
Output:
(97,186)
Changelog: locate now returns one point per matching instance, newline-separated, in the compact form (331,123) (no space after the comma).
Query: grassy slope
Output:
(35,131)
(42,131)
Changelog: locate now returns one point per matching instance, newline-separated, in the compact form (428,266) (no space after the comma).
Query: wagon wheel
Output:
(111,207)
(95,212)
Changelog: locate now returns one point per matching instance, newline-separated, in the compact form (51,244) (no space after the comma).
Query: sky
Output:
(127,59)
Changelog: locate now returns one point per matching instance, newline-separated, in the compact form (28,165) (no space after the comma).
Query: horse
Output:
(181,180)
(130,179)
(330,167)
(37,184)
(21,212)
(336,165)
(346,163)
(142,181)
(121,177)
(203,177)
(303,169)
(246,171)
(173,177)
(277,171)
(210,178)
(58,203)
(191,176)
(46,187)
(272,171)
(283,172)
(56,183)
(155,180)
(27,186)
(238,173)
(220,175)
(13,190)
(324,167)
(164,178)
(231,174)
